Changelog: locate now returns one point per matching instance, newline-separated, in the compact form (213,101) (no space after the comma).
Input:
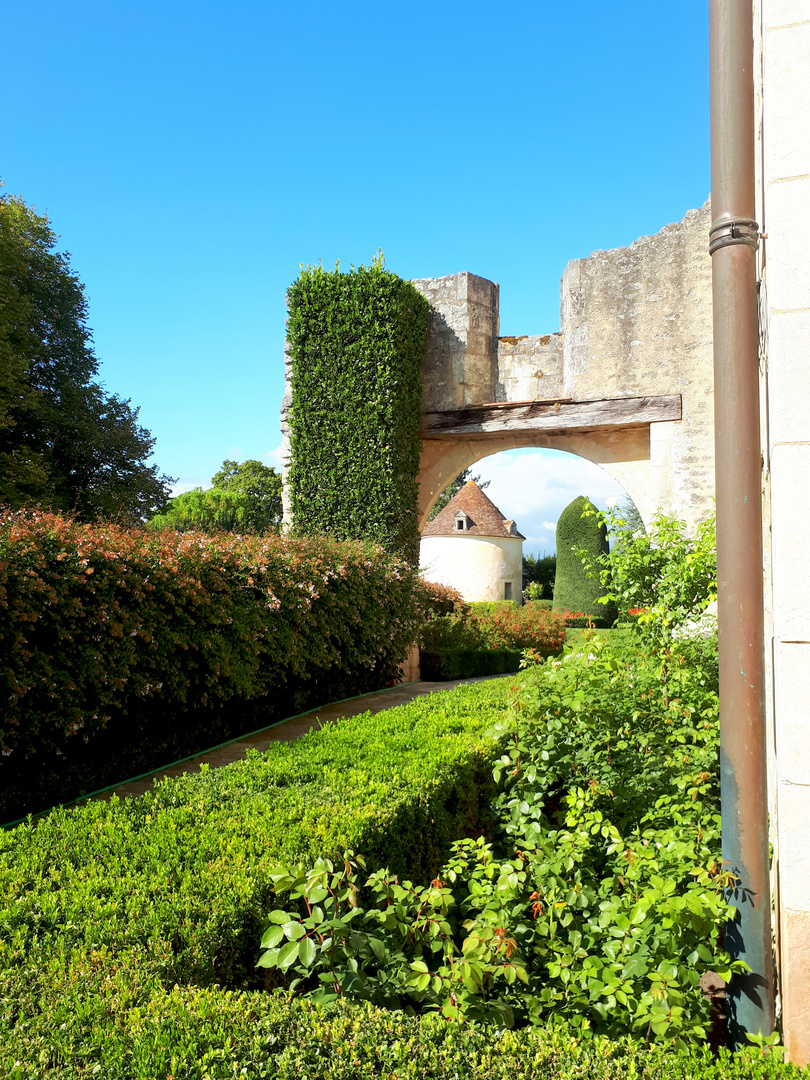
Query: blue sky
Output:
(192,156)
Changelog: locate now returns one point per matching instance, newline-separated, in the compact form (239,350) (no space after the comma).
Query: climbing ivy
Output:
(356,342)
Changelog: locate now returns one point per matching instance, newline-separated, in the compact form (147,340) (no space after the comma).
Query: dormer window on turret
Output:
(510,527)
(462,522)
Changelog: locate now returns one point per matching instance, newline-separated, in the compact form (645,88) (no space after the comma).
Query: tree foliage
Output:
(538,576)
(665,578)
(244,499)
(452,489)
(65,443)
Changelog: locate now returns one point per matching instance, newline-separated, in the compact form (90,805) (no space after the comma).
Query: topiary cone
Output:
(573,590)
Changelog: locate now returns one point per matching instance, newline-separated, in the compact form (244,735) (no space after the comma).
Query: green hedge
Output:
(440,665)
(489,607)
(587,622)
(356,341)
(192,1034)
(124,649)
(129,930)
(105,907)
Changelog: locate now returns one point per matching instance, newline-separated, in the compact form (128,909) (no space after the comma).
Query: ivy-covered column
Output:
(355,344)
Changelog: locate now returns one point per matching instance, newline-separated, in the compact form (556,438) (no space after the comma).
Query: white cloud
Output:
(534,486)
(273,458)
(188,485)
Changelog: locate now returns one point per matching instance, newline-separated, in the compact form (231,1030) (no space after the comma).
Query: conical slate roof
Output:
(483,518)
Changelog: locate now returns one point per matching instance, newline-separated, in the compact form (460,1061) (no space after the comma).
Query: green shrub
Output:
(356,341)
(580,536)
(534,592)
(489,607)
(589,622)
(200,1034)
(117,644)
(661,580)
(538,576)
(128,898)
(441,665)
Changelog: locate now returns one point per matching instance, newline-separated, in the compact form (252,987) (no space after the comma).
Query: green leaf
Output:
(272,937)
(288,954)
(279,917)
(378,949)
(306,951)
(268,959)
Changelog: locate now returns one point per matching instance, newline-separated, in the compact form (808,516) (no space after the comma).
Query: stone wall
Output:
(636,322)
(530,368)
(461,356)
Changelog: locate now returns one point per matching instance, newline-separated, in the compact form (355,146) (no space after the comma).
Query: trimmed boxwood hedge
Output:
(200,1034)
(442,665)
(118,901)
(123,924)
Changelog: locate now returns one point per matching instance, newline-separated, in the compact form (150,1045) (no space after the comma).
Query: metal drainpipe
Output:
(734,237)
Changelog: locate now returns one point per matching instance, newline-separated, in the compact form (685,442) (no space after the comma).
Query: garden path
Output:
(288,730)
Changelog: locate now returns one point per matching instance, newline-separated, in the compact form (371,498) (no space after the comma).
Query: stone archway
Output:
(627,383)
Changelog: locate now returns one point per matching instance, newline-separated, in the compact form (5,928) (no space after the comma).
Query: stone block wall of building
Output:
(782,74)
(461,355)
(638,321)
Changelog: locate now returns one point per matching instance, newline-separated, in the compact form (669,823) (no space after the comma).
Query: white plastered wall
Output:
(782,72)
(478,566)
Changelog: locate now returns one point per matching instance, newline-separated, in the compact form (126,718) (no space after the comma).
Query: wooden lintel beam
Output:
(558,417)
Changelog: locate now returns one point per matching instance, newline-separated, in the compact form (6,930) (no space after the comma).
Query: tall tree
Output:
(626,525)
(540,571)
(244,498)
(65,443)
(452,489)
(260,485)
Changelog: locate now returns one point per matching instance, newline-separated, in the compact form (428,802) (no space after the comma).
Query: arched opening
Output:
(617,464)
(533,486)
(493,538)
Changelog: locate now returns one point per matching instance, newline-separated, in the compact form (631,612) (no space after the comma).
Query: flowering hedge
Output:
(443,599)
(503,626)
(101,626)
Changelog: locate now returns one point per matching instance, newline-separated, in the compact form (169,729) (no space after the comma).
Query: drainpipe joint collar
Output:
(730,231)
